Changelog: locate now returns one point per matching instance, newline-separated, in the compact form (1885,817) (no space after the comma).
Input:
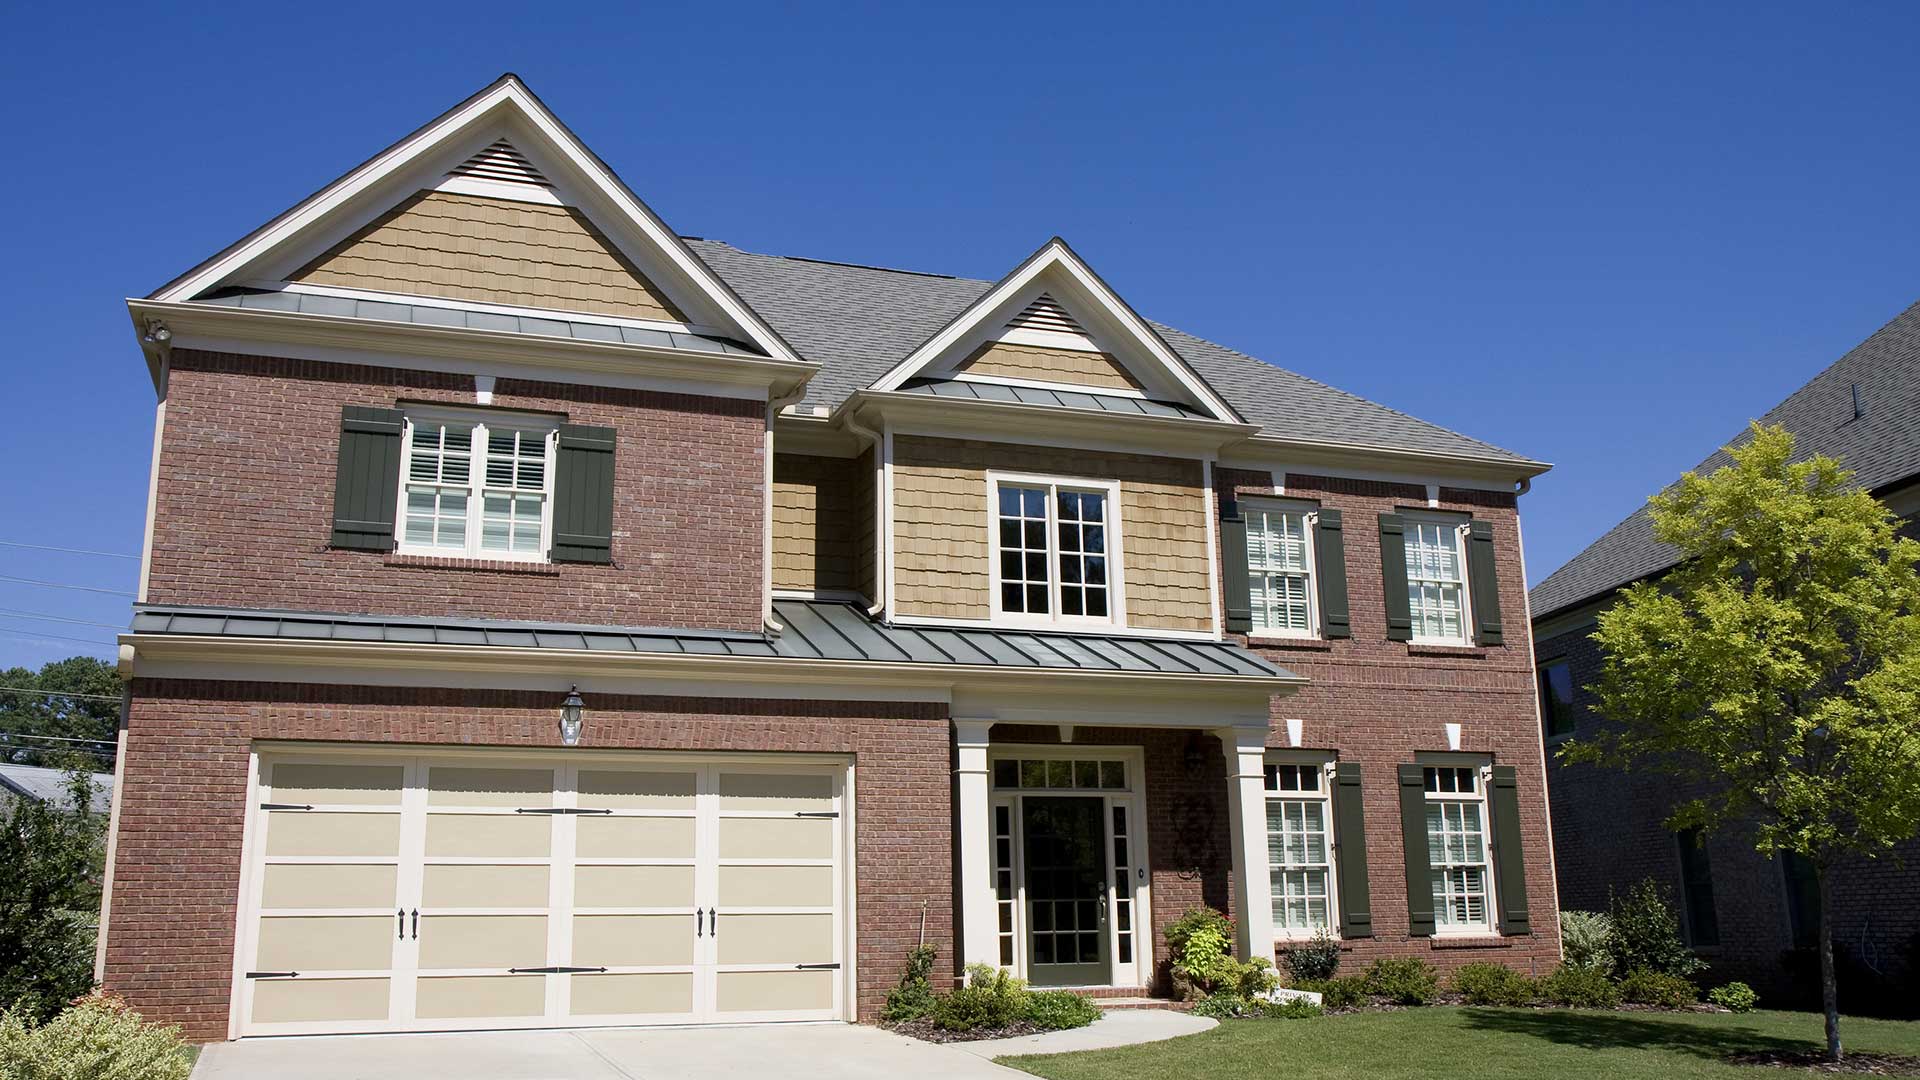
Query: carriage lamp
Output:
(572,715)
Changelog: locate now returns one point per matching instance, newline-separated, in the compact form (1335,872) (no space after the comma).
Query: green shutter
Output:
(1233,561)
(1413,834)
(1393,576)
(1483,582)
(366,480)
(583,495)
(1350,851)
(1330,565)
(1509,863)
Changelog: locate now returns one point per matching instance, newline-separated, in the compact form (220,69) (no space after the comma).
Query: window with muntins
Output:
(1052,560)
(1299,848)
(1280,570)
(1436,580)
(1457,849)
(477,486)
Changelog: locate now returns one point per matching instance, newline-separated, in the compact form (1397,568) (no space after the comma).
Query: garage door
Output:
(393,893)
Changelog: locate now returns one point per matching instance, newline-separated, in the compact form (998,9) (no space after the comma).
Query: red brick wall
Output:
(245,503)
(1380,702)
(184,781)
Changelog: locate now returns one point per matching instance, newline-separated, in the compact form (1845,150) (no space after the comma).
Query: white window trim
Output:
(483,420)
(1483,780)
(1310,519)
(1460,527)
(1116,616)
(1325,796)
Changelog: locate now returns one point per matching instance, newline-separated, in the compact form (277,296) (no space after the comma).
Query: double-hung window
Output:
(1054,558)
(1437,579)
(1457,849)
(1280,570)
(1299,848)
(477,485)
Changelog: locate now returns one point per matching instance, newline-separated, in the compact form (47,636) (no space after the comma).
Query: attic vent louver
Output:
(1045,313)
(502,163)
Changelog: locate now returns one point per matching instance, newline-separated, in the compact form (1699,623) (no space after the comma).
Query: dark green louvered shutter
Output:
(1509,863)
(1233,563)
(1483,582)
(366,481)
(1413,833)
(1393,576)
(583,495)
(1330,563)
(1350,849)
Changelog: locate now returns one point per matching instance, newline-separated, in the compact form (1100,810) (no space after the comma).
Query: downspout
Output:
(775,406)
(880,552)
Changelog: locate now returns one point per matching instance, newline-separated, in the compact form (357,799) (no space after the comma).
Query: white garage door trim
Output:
(765,933)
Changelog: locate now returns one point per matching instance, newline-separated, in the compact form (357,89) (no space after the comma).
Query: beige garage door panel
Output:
(775,791)
(321,785)
(776,886)
(773,991)
(631,995)
(492,836)
(632,886)
(328,885)
(483,941)
(632,940)
(462,886)
(775,939)
(607,789)
(461,786)
(462,997)
(312,832)
(776,838)
(303,1000)
(326,943)
(635,838)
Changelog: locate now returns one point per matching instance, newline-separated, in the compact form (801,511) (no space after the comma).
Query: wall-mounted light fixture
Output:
(573,713)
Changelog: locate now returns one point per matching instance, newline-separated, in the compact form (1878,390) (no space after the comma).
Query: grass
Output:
(1476,1042)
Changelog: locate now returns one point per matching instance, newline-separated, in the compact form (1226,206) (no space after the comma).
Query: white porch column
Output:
(1245,750)
(979,935)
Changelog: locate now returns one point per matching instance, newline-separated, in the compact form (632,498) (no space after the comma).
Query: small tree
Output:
(49,899)
(1776,669)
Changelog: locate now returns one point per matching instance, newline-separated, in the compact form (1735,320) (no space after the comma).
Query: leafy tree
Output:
(91,712)
(54,854)
(1775,671)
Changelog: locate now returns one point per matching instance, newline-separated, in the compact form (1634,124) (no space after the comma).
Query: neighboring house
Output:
(53,785)
(549,620)
(1745,913)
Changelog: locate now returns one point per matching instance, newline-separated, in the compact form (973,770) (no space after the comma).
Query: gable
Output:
(1039,363)
(473,247)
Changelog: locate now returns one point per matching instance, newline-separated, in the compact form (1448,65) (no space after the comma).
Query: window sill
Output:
(448,562)
(1470,941)
(1463,652)
(1270,641)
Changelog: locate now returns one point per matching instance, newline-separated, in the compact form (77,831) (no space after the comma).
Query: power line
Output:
(21,613)
(54,637)
(53,738)
(58,693)
(68,550)
(58,585)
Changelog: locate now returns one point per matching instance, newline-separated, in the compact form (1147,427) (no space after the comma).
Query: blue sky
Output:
(1603,236)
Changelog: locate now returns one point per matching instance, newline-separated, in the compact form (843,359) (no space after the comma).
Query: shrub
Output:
(1223,1006)
(913,999)
(1646,933)
(1581,988)
(1057,1010)
(98,1038)
(1348,992)
(1315,959)
(1658,988)
(991,998)
(1586,939)
(1203,963)
(49,894)
(1734,997)
(1403,980)
(1491,984)
(1291,1009)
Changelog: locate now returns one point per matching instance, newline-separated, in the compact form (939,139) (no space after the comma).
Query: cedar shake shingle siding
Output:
(815,523)
(466,247)
(1038,364)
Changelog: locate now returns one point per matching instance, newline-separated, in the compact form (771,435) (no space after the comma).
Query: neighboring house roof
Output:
(50,785)
(816,630)
(859,322)
(1881,446)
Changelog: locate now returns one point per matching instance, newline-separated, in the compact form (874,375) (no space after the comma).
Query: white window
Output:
(1280,570)
(1054,553)
(1457,849)
(1436,579)
(1300,848)
(476,484)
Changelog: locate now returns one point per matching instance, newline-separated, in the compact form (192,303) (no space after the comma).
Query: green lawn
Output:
(1474,1042)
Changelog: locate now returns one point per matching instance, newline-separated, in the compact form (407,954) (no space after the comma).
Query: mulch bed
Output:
(928,1031)
(1855,1063)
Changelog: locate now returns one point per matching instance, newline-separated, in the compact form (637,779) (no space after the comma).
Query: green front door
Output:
(1064,838)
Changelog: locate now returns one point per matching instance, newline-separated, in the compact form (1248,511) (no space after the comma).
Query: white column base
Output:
(979,933)
(1246,754)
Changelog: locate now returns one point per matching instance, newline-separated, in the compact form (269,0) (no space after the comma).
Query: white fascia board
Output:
(507,106)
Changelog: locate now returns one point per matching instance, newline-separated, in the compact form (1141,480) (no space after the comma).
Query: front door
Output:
(1064,839)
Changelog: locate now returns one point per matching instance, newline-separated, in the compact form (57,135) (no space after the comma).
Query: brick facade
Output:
(184,782)
(243,513)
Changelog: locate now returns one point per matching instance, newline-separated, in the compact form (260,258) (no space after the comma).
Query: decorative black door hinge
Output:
(272,974)
(816,813)
(560,970)
(558,810)
(284,806)
(816,967)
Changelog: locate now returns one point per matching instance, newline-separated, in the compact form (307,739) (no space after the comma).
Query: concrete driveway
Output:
(789,1051)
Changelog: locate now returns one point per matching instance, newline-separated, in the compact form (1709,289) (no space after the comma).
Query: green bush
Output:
(913,999)
(1203,964)
(1491,984)
(1581,988)
(98,1038)
(1200,918)
(1221,1006)
(1646,933)
(52,855)
(1403,980)
(991,998)
(1347,992)
(1658,988)
(1291,1009)
(1057,1010)
(1586,939)
(1734,997)
(1318,958)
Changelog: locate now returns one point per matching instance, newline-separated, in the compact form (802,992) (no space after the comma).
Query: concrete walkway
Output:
(1121,1027)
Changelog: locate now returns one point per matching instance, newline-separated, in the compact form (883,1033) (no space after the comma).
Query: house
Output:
(549,620)
(42,784)
(1752,917)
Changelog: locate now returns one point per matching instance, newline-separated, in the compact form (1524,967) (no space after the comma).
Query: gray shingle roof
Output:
(815,630)
(858,322)
(1068,399)
(1882,448)
(50,785)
